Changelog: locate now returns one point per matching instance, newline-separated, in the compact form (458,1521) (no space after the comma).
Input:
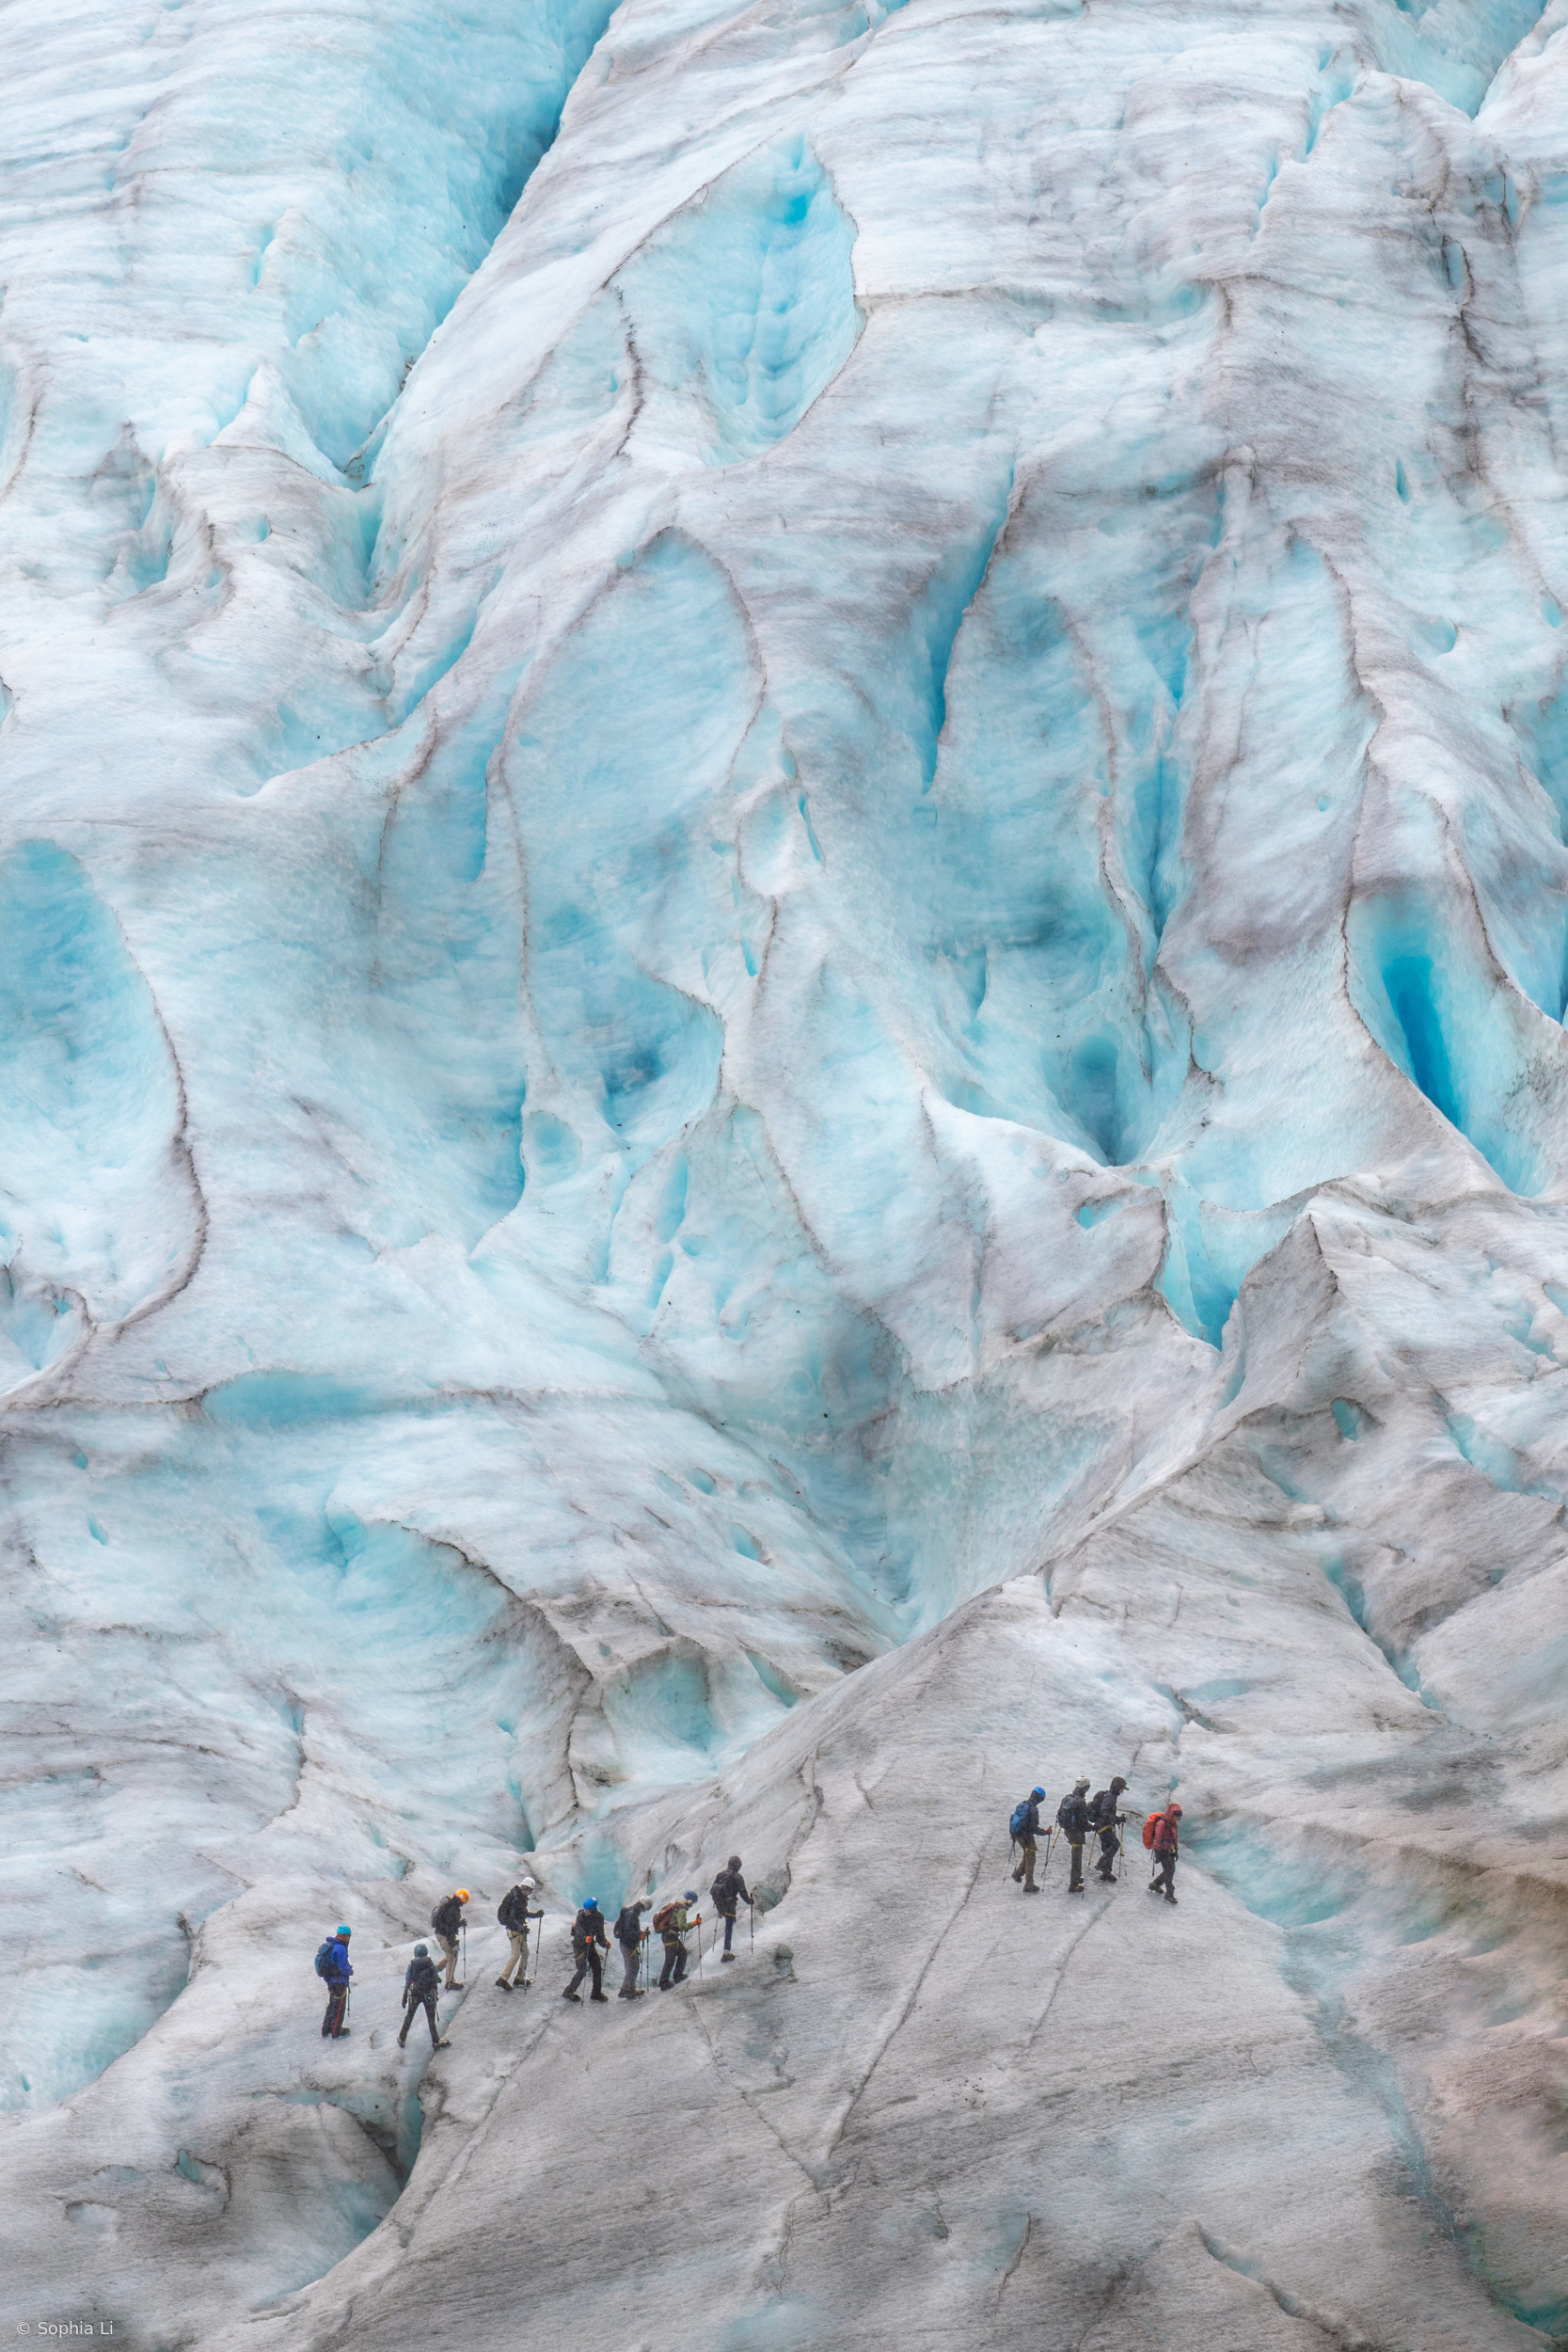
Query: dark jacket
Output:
(514,1911)
(422,1983)
(629,1927)
(588,1928)
(1031,1828)
(1103,1809)
(1167,1834)
(728,1889)
(338,1969)
(446,1918)
(1073,1816)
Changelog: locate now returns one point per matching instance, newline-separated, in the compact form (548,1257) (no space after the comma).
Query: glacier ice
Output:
(784,933)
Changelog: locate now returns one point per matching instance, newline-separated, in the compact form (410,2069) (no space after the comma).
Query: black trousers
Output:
(333,2022)
(1164,1873)
(590,1956)
(674,1964)
(729,1927)
(1108,1851)
(428,2005)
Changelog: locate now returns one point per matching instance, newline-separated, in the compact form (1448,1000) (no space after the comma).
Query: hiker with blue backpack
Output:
(1024,1827)
(332,1967)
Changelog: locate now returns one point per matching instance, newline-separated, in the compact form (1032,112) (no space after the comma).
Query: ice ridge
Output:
(784,934)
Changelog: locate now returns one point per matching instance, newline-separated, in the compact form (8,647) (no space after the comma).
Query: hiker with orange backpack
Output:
(1161,1835)
(674,1920)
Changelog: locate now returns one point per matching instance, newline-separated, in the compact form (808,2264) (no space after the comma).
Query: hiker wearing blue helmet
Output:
(332,1967)
(589,1943)
(1025,1829)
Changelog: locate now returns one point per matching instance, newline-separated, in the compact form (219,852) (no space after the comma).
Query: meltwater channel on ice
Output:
(783,931)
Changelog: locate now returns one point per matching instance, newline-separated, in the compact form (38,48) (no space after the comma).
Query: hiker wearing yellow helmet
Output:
(447,1923)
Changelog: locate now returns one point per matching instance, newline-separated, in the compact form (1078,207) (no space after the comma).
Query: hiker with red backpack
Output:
(672,1920)
(1162,1832)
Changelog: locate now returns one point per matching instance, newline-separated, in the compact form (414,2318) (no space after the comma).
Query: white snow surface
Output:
(783,929)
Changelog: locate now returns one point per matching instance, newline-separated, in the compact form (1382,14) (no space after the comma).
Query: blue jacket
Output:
(337,1967)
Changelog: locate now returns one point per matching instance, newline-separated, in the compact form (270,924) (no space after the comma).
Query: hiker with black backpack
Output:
(1161,1835)
(445,1923)
(728,1892)
(1072,1819)
(514,1916)
(332,1967)
(421,1989)
(1105,1817)
(631,1934)
(587,1941)
(1024,1829)
(674,1920)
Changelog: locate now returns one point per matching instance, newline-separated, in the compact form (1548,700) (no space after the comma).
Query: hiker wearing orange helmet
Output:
(1164,1834)
(446,1923)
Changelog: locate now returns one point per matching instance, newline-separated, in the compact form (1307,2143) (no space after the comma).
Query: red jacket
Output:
(1166,1833)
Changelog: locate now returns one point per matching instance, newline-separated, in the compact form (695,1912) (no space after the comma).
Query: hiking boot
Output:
(502,1982)
(723,1956)
(1018,1876)
(343,2033)
(1170,1899)
(571,1996)
(1033,1890)
(443,2045)
(599,1996)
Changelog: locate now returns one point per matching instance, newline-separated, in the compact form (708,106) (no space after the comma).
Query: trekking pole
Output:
(752,1911)
(1012,1849)
(464,1932)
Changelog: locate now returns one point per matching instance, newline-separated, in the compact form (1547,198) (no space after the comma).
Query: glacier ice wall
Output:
(783,931)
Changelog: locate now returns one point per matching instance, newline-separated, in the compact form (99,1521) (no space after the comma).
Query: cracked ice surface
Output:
(784,926)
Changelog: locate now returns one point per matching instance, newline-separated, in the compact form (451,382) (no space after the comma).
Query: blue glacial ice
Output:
(784,934)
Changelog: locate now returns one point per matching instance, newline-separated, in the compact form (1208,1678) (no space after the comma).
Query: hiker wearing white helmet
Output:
(516,1910)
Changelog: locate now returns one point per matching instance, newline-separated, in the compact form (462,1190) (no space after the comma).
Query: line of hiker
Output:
(1080,1817)
(674,1922)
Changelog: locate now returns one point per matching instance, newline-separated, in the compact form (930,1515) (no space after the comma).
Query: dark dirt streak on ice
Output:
(903,2016)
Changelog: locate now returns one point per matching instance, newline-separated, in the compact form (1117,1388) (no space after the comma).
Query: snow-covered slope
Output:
(784,926)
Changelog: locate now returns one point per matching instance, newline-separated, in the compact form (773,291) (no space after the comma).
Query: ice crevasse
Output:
(784,934)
